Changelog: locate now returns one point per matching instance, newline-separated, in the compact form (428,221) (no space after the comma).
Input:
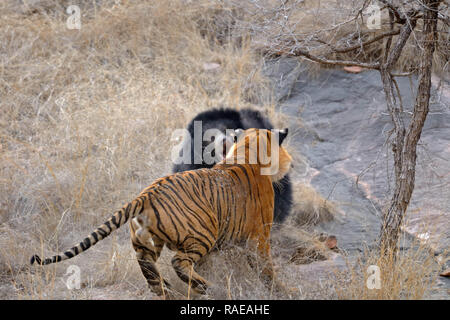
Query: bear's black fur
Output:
(223,119)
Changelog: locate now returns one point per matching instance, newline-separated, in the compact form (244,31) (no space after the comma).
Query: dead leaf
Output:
(331,242)
(353,69)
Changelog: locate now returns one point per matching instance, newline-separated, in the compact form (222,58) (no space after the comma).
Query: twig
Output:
(300,52)
(363,44)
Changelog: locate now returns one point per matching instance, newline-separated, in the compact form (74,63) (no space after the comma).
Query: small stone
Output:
(211,66)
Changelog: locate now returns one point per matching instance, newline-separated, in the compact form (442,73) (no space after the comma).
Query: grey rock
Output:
(344,140)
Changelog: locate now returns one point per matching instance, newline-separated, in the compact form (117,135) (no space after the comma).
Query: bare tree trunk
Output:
(405,144)
(406,136)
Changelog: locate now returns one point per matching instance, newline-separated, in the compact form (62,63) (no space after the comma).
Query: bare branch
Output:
(363,44)
(401,41)
(404,74)
(389,41)
(444,18)
(300,52)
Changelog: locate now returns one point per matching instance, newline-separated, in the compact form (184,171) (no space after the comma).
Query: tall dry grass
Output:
(86,121)
(280,27)
(87,117)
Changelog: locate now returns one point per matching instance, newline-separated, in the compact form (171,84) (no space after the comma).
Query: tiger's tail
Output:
(118,219)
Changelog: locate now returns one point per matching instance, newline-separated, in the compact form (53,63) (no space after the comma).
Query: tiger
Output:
(222,119)
(194,212)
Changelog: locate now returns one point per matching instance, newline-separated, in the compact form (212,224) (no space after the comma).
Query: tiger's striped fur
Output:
(193,212)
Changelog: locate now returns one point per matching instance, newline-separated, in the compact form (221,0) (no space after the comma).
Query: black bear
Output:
(223,119)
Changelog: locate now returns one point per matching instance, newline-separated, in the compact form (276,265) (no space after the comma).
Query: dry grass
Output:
(86,120)
(85,116)
(310,207)
(410,274)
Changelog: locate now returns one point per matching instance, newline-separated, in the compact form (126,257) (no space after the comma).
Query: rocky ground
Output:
(342,135)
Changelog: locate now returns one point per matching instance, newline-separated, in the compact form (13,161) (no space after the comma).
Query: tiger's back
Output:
(225,203)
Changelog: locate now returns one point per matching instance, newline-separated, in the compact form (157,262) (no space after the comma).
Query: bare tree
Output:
(404,16)
(406,137)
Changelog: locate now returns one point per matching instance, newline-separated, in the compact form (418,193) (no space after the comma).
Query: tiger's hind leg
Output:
(183,263)
(147,254)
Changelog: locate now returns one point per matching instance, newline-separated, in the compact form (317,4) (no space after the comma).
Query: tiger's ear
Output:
(282,134)
(237,133)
